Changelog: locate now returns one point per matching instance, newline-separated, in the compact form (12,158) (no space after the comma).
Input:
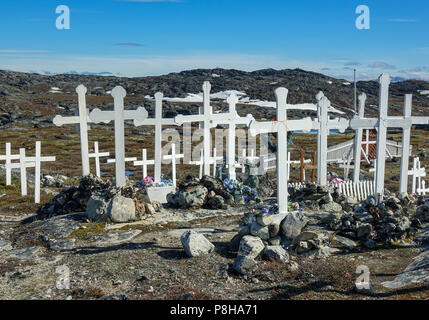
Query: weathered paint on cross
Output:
(232,119)
(281,126)
(144,163)
(97,155)
(119,115)
(82,119)
(173,158)
(158,122)
(358,140)
(204,118)
(8,157)
(406,135)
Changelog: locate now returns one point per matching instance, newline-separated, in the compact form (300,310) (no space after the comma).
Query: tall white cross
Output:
(37,160)
(8,157)
(173,158)
(144,163)
(381,124)
(119,115)
(82,119)
(158,122)
(97,155)
(281,127)
(323,124)
(232,119)
(204,118)
(357,151)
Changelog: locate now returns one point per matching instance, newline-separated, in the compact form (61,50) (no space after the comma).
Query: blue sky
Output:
(152,37)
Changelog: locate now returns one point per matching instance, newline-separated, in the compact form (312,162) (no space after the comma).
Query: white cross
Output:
(323,124)
(144,163)
(281,126)
(215,158)
(199,163)
(423,190)
(417,172)
(37,160)
(158,122)
(204,118)
(173,158)
(22,165)
(358,150)
(82,119)
(119,115)
(232,119)
(8,157)
(381,124)
(131,159)
(97,155)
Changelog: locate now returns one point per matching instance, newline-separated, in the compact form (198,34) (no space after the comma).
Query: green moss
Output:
(88,229)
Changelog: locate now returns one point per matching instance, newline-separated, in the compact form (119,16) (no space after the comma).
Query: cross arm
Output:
(60,120)
(98,116)
(181,119)
(140,114)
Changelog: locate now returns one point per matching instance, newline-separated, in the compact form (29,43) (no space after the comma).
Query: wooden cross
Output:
(173,158)
(232,119)
(423,190)
(358,141)
(417,172)
(381,124)
(119,115)
(204,118)
(158,122)
(97,155)
(37,160)
(281,127)
(8,157)
(22,165)
(323,124)
(82,120)
(144,163)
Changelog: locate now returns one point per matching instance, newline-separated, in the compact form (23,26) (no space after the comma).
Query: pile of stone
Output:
(267,235)
(100,200)
(324,198)
(422,212)
(207,193)
(386,223)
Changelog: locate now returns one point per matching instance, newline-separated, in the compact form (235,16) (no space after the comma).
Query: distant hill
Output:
(19,91)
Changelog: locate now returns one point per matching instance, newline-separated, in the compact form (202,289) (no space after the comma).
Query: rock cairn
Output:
(100,200)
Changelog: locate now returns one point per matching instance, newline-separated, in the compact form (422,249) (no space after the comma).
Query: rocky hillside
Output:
(35,97)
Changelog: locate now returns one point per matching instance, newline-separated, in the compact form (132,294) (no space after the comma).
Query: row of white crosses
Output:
(417,173)
(24,163)
(381,124)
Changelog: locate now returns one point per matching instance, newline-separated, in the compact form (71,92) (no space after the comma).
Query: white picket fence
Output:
(360,190)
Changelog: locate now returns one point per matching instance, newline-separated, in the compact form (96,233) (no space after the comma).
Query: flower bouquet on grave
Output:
(158,191)
(294,206)
(241,193)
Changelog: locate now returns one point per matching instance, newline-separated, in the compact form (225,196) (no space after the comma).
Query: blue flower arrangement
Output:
(246,192)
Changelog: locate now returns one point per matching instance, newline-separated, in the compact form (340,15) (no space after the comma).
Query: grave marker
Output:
(119,115)
(144,163)
(281,126)
(97,155)
(173,158)
(8,157)
(158,122)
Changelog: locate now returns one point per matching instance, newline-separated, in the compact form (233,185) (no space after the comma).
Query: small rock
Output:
(276,253)
(259,231)
(195,244)
(265,219)
(245,265)
(250,247)
(293,224)
(62,244)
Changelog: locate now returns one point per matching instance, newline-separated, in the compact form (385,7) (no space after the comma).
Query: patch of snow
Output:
(329,82)
(272,83)
(214,75)
(109,92)
(346,83)
(55,90)
(424,92)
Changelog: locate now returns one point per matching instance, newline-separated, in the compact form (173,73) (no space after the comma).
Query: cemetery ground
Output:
(145,260)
